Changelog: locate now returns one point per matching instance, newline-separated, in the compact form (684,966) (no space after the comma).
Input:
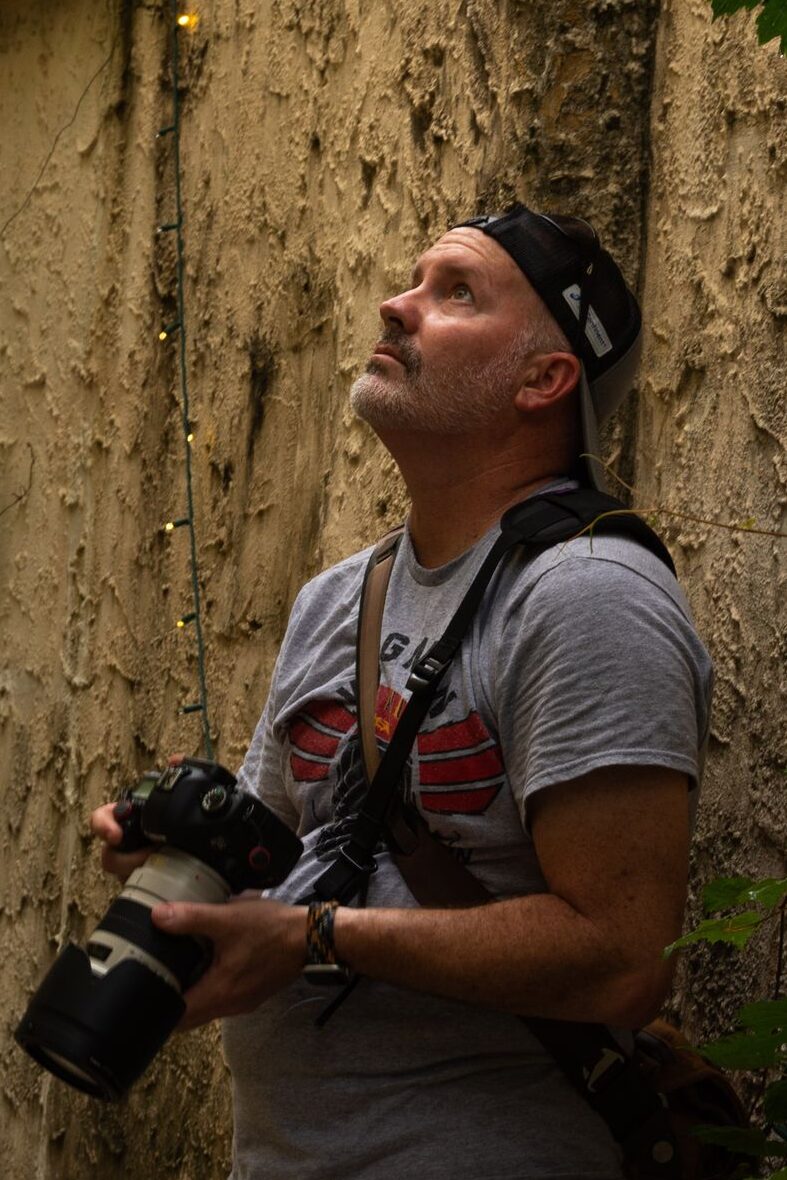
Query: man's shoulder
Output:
(337,581)
(604,558)
(603,573)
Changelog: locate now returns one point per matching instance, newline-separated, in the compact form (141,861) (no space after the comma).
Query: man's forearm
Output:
(535,956)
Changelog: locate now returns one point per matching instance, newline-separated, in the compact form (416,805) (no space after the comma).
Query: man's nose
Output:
(401,311)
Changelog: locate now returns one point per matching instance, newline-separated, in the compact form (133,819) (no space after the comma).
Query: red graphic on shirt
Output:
(460,767)
(315,735)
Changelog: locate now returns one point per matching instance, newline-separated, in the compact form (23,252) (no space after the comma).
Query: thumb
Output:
(185,918)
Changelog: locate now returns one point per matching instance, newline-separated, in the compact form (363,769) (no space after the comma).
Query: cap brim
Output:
(610,389)
(591,447)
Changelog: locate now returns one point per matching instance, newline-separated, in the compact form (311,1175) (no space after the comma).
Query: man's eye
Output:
(462,292)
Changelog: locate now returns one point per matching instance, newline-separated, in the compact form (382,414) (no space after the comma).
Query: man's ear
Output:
(548,378)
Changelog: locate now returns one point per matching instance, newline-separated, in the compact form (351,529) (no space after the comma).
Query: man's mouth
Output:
(389,350)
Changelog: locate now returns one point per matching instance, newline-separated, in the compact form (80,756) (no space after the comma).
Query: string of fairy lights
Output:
(176,330)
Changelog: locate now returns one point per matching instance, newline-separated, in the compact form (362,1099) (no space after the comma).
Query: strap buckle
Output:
(606,1070)
(426,672)
(368,868)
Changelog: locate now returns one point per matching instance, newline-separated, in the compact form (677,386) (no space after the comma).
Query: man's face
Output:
(450,355)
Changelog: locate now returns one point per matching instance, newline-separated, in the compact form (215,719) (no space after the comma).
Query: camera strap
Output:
(587,1054)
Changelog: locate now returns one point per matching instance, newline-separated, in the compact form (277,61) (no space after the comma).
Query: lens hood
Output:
(98,1034)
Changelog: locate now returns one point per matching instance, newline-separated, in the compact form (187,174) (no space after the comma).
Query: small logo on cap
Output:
(594,329)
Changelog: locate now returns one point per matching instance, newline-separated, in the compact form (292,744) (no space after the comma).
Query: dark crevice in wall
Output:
(629,416)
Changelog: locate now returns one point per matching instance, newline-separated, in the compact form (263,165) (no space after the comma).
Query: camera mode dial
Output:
(214,800)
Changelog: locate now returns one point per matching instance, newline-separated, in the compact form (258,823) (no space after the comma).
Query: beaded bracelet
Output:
(319,931)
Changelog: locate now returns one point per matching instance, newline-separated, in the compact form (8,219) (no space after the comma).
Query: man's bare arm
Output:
(613,848)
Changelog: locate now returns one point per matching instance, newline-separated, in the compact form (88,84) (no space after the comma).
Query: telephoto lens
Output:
(102,1012)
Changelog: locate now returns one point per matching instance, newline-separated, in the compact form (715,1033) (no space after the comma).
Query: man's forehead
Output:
(477,250)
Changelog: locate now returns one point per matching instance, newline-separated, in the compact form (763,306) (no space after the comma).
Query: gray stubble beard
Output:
(456,401)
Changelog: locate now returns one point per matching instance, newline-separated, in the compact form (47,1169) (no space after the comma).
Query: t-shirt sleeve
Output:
(598,666)
(262,771)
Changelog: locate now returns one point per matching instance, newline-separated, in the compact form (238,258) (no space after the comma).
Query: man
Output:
(559,759)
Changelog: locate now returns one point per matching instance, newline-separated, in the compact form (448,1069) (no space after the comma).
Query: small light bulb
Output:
(186,19)
(181,624)
(189,437)
(169,526)
(162,335)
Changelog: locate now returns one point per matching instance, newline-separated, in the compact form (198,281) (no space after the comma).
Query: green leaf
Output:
(772,22)
(746,1050)
(749,1142)
(736,930)
(780,1175)
(776,1102)
(765,1016)
(727,7)
(770,891)
(726,892)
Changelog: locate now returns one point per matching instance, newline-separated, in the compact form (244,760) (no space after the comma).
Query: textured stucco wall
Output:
(324,144)
(712,431)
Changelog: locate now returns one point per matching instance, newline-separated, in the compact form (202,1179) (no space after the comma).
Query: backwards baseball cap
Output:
(584,290)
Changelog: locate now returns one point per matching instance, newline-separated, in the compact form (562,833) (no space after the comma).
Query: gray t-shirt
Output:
(582,657)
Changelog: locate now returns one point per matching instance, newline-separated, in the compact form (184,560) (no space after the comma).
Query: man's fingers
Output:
(190,918)
(202,1003)
(104,825)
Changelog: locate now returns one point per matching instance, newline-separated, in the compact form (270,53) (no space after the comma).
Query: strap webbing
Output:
(367,648)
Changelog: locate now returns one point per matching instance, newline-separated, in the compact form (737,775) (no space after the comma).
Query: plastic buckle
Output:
(370,867)
(605,1071)
(424,674)
(327,974)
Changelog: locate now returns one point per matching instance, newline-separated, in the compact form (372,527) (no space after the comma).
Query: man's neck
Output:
(458,491)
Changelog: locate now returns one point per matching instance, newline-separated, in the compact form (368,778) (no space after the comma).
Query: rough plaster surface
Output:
(325,144)
(712,431)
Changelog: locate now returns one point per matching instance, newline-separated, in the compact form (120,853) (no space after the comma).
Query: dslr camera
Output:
(102,1012)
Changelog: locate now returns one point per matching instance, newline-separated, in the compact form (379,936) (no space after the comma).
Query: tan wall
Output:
(712,431)
(324,144)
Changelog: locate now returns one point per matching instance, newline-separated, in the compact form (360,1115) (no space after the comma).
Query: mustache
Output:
(411,357)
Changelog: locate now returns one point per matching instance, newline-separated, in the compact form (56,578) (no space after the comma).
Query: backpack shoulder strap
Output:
(367,647)
(557,517)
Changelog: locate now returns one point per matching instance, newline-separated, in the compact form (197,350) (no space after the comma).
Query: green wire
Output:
(184,390)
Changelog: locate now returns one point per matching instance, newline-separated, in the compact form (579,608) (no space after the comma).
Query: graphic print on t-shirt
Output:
(460,768)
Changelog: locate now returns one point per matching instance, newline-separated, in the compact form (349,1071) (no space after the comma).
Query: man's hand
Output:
(259,947)
(104,825)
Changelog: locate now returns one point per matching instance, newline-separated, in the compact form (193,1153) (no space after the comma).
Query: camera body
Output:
(102,1012)
(195,806)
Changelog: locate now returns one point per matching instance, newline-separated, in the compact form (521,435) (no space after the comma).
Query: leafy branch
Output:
(760,1040)
(771,19)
